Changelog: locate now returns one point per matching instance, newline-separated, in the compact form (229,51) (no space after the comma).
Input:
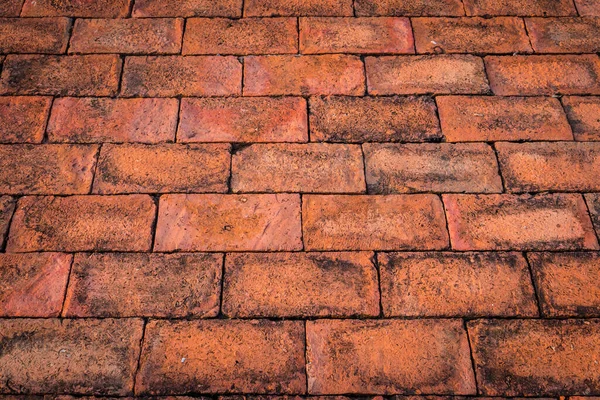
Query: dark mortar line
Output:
(131,6)
(241,60)
(298,35)
(412,32)
(375,261)
(177,123)
(242,10)
(450,245)
(118,92)
(45,137)
(536,292)
(464,6)
(577,9)
(139,360)
(21,9)
(64,302)
(302,224)
(439,122)
(70,34)
(9,226)
(354,8)
(364,65)
(364,161)
(589,212)
(528,35)
(94,173)
(473,364)
(183,35)
(306,356)
(156,199)
(569,122)
(232,151)
(493,146)
(220,314)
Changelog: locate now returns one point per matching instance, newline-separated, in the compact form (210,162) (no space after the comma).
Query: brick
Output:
(23,119)
(371,119)
(541,8)
(77,8)
(441,74)
(409,7)
(512,222)
(213,222)
(137,168)
(243,120)
(307,168)
(34,35)
(493,118)
(535,357)
(588,8)
(564,35)
(388,357)
(7,207)
(300,285)
(187,8)
(131,36)
(241,36)
(431,167)
(544,75)
(10,8)
(394,222)
(93,75)
(537,167)
(593,202)
(53,355)
(298,8)
(470,35)
(218,356)
(148,285)
(186,76)
(97,120)
(356,35)
(46,169)
(583,113)
(303,75)
(82,223)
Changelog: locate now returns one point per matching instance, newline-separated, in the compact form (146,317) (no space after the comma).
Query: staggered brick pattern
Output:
(300,197)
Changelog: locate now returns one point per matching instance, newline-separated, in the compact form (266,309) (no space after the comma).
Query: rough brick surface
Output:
(564,35)
(34,35)
(271,8)
(23,119)
(589,8)
(542,8)
(76,8)
(11,8)
(7,208)
(409,7)
(583,114)
(593,203)
(187,8)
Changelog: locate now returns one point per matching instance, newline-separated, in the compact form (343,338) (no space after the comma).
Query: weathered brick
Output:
(394,222)
(34,35)
(23,119)
(300,285)
(564,35)
(588,8)
(10,8)
(542,8)
(76,8)
(431,167)
(222,356)
(456,284)
(511,222)
(298,8)
(584,116)
(188,8)
(593,202)
(82,223)
(214,222)
(148,285)
(388,357)
(441,74)
(7,208)
(409,7)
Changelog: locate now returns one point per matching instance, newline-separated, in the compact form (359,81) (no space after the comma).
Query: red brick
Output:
(395,222)
(300,285)
(356,35)
(303,75)
(307,168)
(409,7)
(82,223)
(298,8)
(588,7)
(170,76)
(431,167)
(10,8)
(7,207)
(593,203)
(583,114)
(492,118)
(536,357)
(95,120)
(243,120)
(511,222)
(222,356)
(23,119)
(388,357)
(371,119)
(69,356)
(34,35)
(544,75)
(442,74)
(149,285)
(564,35)
(456,284)
(542,8)
(76,8)
(136,168)
(188,8)
(214,222)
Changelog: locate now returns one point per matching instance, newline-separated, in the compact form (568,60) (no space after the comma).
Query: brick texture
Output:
(588,8)
(542,8)
(10,8)
(593,203)
(34,35)
(271,8)
(7,208)
(76,8)
(187,8)
(406,7)
(583,115)
(23,119)
(564,35)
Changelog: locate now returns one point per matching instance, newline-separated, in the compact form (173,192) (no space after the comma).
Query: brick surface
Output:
(322,8)
(23,119)
(7,208)
(409,7)
(593,203)
(542,8)
(10,8)
(187,8)
(34,35)
(76,8)
(588,7)
(564,35)
(583,115)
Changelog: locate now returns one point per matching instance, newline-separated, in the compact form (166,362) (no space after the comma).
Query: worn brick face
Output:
(34,35)
(321,8)
(564,35)
(76,8)
(593,202)
(7,208)
(187,8)
(10,8)
(542,8)
(23,119)
(584,116)
(409,7)
(588,8)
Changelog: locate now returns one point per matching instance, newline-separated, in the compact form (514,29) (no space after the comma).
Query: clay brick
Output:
(76,8)
(241,36)
(187,8)
(300,285)
(593,202)
(7,207)
(356,35)
(541,8)
(10,8)
(544,75)
(564,35)
(96,120)
(82,223)
(456,284)
(537,167)
(243,120)
(148,285)
(492,118)
(441,74)
(588,8)
(46,169)
(52,355)
(34,35)
(583,114)
(512,222)
(214,222)
(409,7)
(431,167)
(307,168)
(298,8)
(170,76)
(304,75)
(371,119)
(388,357)
(23,119)
(536,357)
(219,356)
(92,75)
(137,168)
(394,222)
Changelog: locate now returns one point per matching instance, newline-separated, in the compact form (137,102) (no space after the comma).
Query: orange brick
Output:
(431,167)
(409,7)
(10,8)
(23,119)
(213,222)
(34,35)
(442,74)
(222,356)
(564,35)
(388,356)
(511,222)
(395,222)
(298,8)
(593,203)
(583,115)
(82,223)
(76,8)
(542,8)
(7,207)
(304,75)
(300,285)
(187,8)
(588,8)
